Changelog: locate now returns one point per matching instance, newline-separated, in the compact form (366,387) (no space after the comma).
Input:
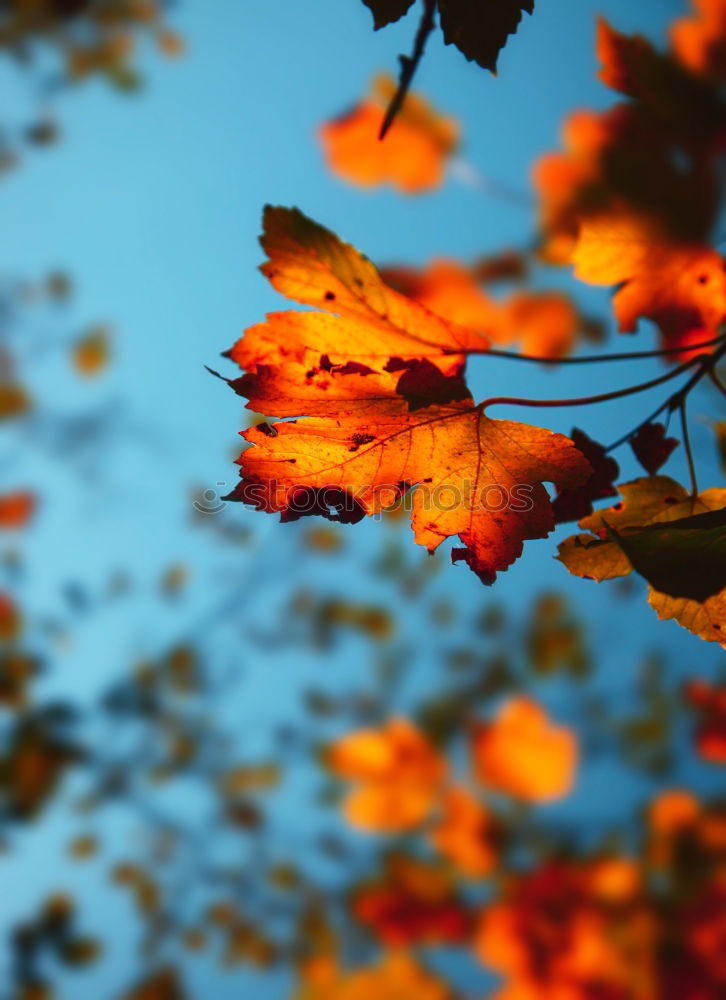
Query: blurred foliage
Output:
(427,795)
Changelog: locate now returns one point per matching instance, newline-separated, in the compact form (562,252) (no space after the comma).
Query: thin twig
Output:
(717,382)
(589,400)
(409,65)
(687,446)
(595,358)
(706,364)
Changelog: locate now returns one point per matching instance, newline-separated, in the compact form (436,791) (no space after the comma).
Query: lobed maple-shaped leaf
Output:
(413,155)
(673,539)
(572,504)
(680,287)
(364,321)
(386,411)
(480,28)
(651,446)
(387,11)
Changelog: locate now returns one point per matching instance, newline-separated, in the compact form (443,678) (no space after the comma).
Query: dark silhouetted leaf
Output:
(387,11)
(480,28)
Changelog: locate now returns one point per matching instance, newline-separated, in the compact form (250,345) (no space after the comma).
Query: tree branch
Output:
(409,65)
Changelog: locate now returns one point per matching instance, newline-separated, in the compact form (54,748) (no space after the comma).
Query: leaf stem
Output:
(717,382)
(590,400)
(597,358)
(706,364)
(687,446)
(409,65)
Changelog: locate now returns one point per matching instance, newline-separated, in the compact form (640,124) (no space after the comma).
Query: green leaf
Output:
(682,558)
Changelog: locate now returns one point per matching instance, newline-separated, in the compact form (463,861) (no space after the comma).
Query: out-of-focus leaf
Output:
(413,155)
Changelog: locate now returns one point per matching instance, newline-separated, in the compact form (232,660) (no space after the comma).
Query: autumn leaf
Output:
(480,479)
(680,287)
(413,155)
(521,753)
(466,833)
(386,411)
(550,933)
(14,400)
(396,975)
(688,106)
(92,352)
(162,985)
(651,447)
(16,509)
(413,903)
(622,162)
(669,553)
(449,289)
(11,622)
(397,772)
(673,811)
(563,181)
(369,322)
(479,28)
(544,324)
(386,11)
(682,558)
(710,704)
(699,41)
(572,504)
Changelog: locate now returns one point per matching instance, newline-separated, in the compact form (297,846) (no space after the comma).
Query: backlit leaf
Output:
(413,155)
(681,288)
(387,411)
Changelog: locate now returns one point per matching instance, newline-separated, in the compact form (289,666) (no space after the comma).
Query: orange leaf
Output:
(699,42)
(680,287)
(413,155)
(523,754)
(16,509)
(369,322)
(647,502)
(91,353)
(395,976)
(10,619)
(387,409)
(466,833)
(544,323)
(398,775)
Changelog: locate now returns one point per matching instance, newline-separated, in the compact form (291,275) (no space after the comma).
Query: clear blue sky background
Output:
(153,204)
